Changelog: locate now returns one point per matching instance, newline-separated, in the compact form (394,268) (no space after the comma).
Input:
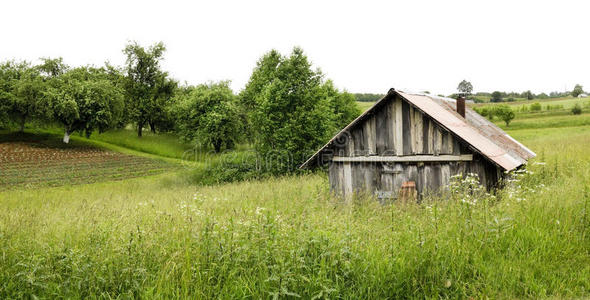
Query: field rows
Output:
(26,164)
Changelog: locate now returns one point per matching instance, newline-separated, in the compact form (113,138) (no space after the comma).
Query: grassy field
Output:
(160,237)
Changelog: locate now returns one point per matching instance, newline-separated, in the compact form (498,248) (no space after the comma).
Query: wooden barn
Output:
(416,142)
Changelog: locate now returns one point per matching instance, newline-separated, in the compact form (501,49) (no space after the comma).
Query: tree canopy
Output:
(84,99)
(465,87)
(208,114)
(148,88)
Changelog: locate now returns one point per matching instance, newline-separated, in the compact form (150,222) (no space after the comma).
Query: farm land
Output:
(152,234)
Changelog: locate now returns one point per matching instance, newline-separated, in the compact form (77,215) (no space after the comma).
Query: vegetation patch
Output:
(33,161)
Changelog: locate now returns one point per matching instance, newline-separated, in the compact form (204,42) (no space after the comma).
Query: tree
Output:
(294,114)
(496,97)
(505,113)
(578,90)
(208,114)
(148,89)
(342,104)
(263,73)
(84,100)
(465,87)
(21,95)
(52,67)
(528,95)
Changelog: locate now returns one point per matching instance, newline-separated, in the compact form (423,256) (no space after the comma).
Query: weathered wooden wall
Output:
(397,129)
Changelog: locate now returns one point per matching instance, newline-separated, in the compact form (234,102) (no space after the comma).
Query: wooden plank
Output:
(381,131)
(407,158)
(407,141)
(369,135)
(412,131)
(419,138)
(444,148)
(347,181)
(399,145)
(359,142)
(445,176)
(437,140)
(425,136)
(391,128)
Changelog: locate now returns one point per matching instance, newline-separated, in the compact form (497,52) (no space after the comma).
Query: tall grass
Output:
(158,237)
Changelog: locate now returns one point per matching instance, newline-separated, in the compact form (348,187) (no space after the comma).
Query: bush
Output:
(536,106)
(577,109)
(228,167)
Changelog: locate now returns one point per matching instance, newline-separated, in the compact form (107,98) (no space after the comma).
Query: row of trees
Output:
(466,88)
(287,109)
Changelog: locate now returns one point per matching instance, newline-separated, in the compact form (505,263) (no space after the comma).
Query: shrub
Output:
(577,109)
(536,106)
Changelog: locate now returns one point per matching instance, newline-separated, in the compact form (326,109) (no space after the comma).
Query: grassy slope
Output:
(159,237)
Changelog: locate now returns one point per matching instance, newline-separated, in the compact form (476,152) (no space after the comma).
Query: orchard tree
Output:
(21,95)
(496,97)
(84,99)
(208,114)
(294,114)
(465,87)
(578,90)
(505,113)
(148,89)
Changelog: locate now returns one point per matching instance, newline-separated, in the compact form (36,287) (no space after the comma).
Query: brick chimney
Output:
(461,106)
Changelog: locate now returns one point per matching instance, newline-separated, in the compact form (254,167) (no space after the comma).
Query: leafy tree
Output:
(342,104)
(21,95)
(84,100)
(294,116)
(528,95)
(52,67)
(496,97)
(208,114)
(505,113)
(148,89)
(465,87)
(578,90)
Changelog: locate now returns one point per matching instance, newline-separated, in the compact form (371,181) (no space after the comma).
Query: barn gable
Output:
(406,137)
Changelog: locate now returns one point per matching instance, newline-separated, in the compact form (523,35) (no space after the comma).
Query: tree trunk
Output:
(153,127)
(66,136)
(22,123)
(217,146)
(139,129)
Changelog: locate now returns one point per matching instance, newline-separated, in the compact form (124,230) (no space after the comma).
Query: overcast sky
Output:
(364,46)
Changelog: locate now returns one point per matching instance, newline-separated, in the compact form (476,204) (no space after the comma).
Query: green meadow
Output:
(162,236)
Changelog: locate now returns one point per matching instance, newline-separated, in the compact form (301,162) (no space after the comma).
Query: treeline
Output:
(286,110)
(368,97)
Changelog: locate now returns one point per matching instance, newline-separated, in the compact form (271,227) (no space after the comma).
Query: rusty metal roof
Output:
(482,135)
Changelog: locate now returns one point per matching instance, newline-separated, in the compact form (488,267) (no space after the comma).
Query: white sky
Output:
(364,46)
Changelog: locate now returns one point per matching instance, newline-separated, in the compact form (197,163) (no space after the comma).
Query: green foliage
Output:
(577,109)
(296,113)
(505,113)
(84,99)
(148,88)
(528,95)
(578,90)
(536,106)
(22,94)
(208,114)
(496,97)
(465,87)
